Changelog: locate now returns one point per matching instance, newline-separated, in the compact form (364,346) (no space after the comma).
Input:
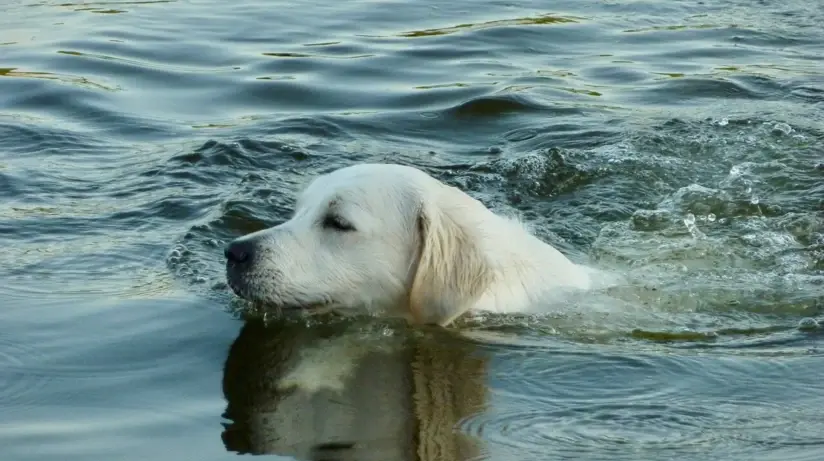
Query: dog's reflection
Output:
(352,392)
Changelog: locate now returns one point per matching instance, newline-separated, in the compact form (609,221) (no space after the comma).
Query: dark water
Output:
(679,143)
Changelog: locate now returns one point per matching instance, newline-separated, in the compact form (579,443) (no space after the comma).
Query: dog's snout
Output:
(239,251)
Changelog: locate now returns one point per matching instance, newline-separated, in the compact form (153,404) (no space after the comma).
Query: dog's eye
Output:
(337,223)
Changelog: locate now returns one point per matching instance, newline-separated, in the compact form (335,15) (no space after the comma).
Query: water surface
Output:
(676,143)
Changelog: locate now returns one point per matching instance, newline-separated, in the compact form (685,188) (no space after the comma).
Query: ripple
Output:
(494,106)
(83,109)
(586,377)
(97,360)
(19,387)
(612,428)
(538,20)
(702,88)
(657,406)
(626,430)
(77,80)
(128,347)
(105,7)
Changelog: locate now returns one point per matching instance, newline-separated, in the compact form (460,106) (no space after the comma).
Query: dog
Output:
(392,240)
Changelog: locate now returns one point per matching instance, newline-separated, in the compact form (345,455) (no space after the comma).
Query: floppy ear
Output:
(452,272)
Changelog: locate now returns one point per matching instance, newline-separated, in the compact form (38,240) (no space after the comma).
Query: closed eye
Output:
(335,222)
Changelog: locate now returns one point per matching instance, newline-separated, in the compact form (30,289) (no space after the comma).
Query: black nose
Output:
(239,251)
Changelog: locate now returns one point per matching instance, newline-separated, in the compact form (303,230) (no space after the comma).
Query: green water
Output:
(679,144)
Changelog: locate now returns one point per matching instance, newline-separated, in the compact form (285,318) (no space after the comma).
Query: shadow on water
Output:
(341,391)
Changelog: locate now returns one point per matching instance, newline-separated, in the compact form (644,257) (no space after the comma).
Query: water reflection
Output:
(351,391)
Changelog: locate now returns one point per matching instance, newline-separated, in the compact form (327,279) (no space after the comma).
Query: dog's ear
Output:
(451,271)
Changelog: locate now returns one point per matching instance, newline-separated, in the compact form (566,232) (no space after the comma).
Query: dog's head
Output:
(376,236)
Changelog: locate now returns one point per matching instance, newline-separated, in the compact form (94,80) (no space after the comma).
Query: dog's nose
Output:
(239,251)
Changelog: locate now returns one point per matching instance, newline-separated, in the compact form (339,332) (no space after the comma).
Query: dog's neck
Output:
(527,270)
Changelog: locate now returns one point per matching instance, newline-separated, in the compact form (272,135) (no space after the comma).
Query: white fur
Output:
(421,249)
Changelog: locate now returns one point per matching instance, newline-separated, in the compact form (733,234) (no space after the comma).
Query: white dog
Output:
(396,241)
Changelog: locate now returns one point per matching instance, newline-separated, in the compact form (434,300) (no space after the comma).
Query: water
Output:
(677,143)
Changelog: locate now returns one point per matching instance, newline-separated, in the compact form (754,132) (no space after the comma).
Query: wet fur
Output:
(422,250)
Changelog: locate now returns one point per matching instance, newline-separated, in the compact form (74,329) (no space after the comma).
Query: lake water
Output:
(680,143)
